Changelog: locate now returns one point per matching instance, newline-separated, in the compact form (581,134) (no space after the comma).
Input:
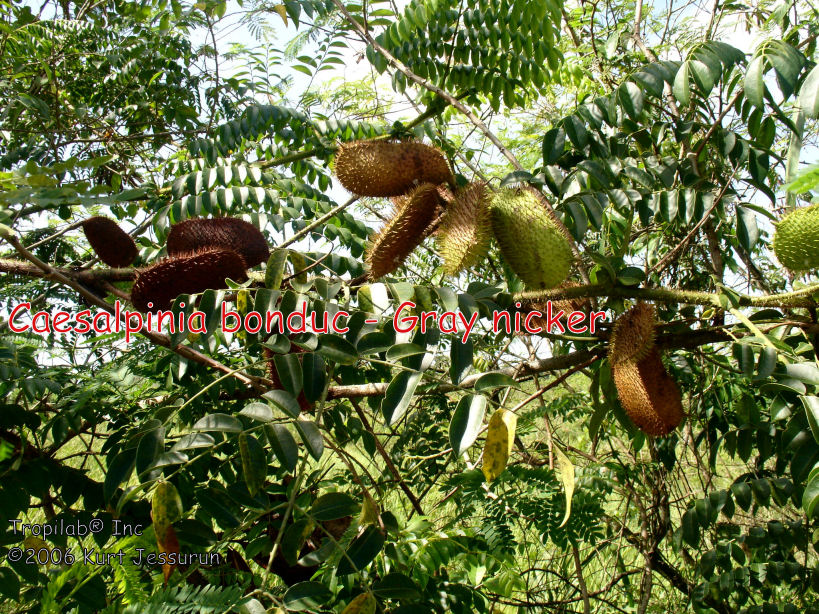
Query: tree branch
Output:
(22,267)
(47,272)
(797,298)
(584,590)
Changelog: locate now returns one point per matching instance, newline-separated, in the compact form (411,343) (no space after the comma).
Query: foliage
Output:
(299,471)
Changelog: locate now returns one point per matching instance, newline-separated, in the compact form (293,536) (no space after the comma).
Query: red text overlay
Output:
(406,319)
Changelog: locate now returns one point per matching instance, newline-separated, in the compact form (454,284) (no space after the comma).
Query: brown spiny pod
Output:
(389,168)
(161,283)
(414,215)
(446,194)
(648,394)
(567,306)
(571,304)
(633,335)
(112,244)
(223,232)
(466,228)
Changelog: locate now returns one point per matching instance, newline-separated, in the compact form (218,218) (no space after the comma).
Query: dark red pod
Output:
(162,282)
(112,244)
(219,232)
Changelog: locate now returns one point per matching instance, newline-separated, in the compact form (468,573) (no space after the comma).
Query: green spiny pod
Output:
(530,241)
(796,241)
(466,229)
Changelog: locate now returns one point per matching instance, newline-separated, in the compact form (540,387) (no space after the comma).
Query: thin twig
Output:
(156,338)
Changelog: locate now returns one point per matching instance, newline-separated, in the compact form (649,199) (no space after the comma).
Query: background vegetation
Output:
(663,137)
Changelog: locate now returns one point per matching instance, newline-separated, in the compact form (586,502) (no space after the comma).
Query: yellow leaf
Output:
(307,531)
(32,542)
(282,11)
(363,604)
(166,508)
(369,511)
(500,438)
(242,300)
(565,470)
(299,263)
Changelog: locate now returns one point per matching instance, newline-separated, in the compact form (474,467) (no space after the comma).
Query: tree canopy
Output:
(664,460)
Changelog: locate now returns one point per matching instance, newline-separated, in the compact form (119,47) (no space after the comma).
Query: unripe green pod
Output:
(796,241)
(530,241)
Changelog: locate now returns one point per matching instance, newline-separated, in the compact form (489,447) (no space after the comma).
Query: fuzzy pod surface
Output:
(466,229)
(632,337)
(796,240)
(567,306)
(529,240)
(162,282)
(112,244)
(389,168)
(571,304)
(648,394)
(414,214)
(219,232)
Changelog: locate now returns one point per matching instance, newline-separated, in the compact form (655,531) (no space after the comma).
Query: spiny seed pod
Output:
(530,241)
(567,306)
(466,229)
(446,194)
(222,232)
(648,394)
(404,232)
(796,240)
(389,168)
(114,246)
(162,282)
(633,335)
(571,304)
